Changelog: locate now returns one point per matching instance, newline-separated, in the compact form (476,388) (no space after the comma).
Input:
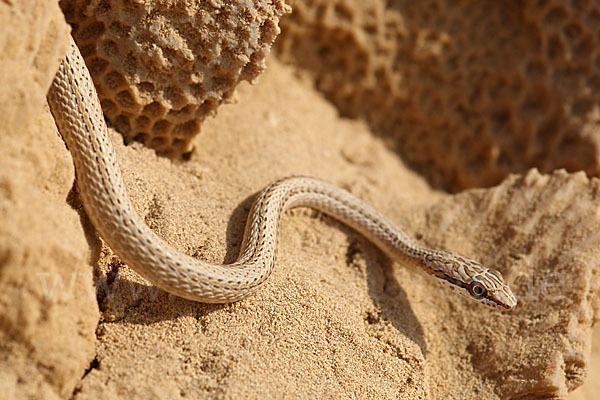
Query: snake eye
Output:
(477,290)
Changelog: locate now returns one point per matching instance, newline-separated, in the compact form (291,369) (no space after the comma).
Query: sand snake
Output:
(76,109)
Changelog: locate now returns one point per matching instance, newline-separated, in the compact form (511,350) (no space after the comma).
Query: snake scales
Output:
(78,115)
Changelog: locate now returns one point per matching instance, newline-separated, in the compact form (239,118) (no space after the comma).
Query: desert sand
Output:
(337,319)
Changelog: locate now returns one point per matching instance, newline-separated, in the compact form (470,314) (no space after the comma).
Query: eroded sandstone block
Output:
(161,67)
(474,89)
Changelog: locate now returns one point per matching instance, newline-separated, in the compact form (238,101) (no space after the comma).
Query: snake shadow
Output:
(147,304)
(89,232)
(392,305)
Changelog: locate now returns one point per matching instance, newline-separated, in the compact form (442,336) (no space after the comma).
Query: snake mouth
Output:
(502,305)
(505,301)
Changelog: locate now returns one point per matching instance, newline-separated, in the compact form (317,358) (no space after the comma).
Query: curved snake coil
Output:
(78,115)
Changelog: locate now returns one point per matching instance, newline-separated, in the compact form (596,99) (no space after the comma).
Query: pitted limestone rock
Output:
(161,67)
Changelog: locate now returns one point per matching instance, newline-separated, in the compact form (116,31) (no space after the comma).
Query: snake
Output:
(77,113)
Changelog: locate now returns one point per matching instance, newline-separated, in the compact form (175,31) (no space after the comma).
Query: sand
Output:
(337,319)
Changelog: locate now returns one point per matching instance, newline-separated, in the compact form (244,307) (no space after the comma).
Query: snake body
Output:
(75,106)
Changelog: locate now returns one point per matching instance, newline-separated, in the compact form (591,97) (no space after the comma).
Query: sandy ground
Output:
(278,346)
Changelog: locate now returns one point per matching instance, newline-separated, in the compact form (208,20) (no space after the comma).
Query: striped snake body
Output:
(78,115)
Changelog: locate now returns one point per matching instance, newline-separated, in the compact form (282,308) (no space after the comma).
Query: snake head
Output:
(470,279)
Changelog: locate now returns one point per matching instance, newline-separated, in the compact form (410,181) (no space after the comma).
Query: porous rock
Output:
(541,232)
(162,66)
(474,89)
